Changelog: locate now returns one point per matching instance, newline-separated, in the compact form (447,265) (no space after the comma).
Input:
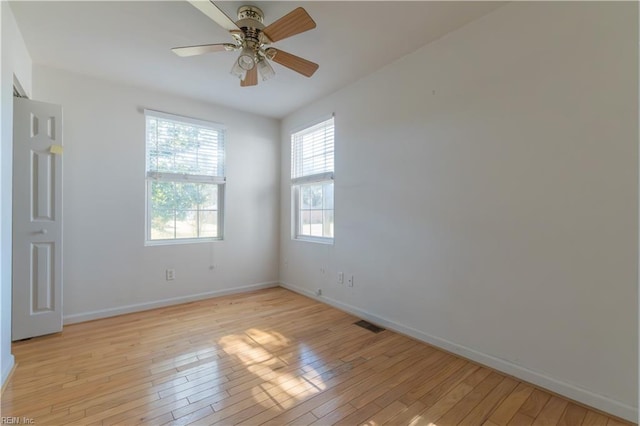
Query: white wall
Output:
(15,63)
(486,197)
(107,268)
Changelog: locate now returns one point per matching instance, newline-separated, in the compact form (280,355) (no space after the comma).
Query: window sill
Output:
(151,243)
(317,240)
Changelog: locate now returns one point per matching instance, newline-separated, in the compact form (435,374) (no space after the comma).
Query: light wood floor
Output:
(267,357)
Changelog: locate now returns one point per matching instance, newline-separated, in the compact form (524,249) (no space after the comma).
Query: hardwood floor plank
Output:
(446,383)
(411,414)
(444,404)
(396,381)
(158,420)
(145,412)
(59,417)
(615,422)
(363,386)
(594,419)
(573,415)
(193,417)
(510,406)
(444,373)
(335,416)
(535,403)
(287,405)
(482,411)
(464,407)
(268,357)
(97,413)
(334,386)
(359,415)
(385,414)
(303,420)
(521,420)
(393,394)
(551,412)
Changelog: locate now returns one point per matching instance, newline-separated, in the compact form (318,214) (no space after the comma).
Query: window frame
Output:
(318,178)
(152,177)
(298,235)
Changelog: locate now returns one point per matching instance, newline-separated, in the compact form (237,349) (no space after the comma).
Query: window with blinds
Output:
(185,178)
(312,166)
(312,152)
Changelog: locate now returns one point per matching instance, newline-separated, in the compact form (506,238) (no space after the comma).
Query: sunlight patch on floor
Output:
(282,384)
(419,420)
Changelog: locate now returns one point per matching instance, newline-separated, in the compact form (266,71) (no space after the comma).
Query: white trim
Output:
(176,177)
(17,87)
(174,241)
(183,119)
(127,309)
(7,371)
(295,234)
(320,177)
(319,240)
(638,244)
(537,378)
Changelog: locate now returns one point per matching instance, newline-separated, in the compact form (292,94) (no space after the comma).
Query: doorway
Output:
(36,218)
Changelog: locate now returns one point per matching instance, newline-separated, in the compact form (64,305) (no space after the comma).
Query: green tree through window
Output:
(185,178)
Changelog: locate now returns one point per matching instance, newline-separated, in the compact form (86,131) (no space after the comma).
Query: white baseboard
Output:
(542,380)
(6,371)
(127,309)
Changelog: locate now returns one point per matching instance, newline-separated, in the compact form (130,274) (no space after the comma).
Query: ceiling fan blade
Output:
(251,79)
(295,22)
(202,49)
(212,11)
(296,63)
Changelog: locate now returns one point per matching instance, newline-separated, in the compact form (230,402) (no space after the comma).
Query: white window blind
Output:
(185,177)
(180,148)
(312,153)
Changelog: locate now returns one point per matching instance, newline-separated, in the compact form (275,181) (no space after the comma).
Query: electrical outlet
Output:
(340,277)
(350,281)
(170,274)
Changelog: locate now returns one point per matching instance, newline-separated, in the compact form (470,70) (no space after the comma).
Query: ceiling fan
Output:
(252,38)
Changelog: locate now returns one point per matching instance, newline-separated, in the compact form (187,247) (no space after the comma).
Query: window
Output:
(185,179)
(312,155)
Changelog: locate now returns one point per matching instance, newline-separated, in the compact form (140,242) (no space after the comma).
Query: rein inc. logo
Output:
(17,421)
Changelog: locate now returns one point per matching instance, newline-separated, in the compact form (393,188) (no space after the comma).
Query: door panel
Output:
(37,219)
(43,168)
(42,277)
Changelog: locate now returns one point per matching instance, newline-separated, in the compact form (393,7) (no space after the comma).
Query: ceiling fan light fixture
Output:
(266,70)
(247,59)
(238,71)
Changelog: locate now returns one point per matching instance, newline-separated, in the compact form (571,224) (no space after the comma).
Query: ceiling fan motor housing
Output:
(250,20)
(250,12)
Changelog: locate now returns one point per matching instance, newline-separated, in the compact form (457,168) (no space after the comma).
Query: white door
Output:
(37,219)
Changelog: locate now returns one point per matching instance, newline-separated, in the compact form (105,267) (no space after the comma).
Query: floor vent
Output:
(369,326)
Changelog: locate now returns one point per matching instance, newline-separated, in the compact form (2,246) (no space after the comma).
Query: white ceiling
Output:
(130,42)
